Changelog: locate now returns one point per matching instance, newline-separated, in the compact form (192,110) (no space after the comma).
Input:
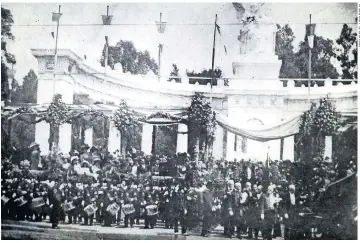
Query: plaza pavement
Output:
(42,230)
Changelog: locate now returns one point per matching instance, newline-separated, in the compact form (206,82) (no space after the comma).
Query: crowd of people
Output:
(95,187)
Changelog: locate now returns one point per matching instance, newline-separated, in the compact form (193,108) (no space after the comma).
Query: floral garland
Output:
(124,119)
(161,114)
(322,120)
(326,118)
(58,112)
(201,117)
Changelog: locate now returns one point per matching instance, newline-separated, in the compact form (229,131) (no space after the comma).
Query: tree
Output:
(7,58)
(295,64)
(131,60)
(347,53)
(204,73)
(284,49)
(30,87)
(175,73)
(322,55)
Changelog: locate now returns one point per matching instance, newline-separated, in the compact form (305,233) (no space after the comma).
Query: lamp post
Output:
(161,29)
(106,19)
(310,36)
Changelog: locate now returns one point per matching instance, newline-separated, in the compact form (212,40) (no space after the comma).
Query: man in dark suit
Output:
(206,203)
(267,201)
(55,199)
(289,206)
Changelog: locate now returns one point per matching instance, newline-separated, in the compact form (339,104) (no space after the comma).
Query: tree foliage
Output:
(175,73)
(6,57)
(204,73)
(131,60)
(296,64)
(30,86)
(347,52)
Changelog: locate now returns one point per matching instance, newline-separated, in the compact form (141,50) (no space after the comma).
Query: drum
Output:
(37,202)
(20,201)
(151,210)
(113,208)
(5,199)
(90,209)
(68,206)
(128,209)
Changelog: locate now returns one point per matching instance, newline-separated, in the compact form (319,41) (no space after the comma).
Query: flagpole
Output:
(56,43)
(212,64)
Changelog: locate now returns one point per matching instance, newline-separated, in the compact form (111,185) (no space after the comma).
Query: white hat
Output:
(230,182)
(292,187)
(73,158)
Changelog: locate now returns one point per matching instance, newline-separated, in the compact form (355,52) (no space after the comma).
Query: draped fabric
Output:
(286,129)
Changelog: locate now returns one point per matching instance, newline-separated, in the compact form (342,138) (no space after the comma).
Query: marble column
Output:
(146,138)
(218,142)
(114,138)
(182,139)
(89,137)
(289,151)
(230,155)
(328,147)
(42,134)
(65,138)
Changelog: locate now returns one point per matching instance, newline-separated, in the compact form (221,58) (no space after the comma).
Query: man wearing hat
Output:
(289,205)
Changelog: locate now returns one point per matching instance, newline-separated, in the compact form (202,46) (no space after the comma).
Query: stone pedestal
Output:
(114,138)
(328,147)
(65,138)
(289,143)
(146,138)
(42,134)
(182,139)
(218,143)
(89,137)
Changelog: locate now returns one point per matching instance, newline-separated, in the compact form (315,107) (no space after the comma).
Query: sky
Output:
(189,46)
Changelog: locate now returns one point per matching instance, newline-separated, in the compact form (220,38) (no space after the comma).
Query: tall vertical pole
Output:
(106,53)
(160,47)
(309,82)
(213,59)
(56,43)
(106,45)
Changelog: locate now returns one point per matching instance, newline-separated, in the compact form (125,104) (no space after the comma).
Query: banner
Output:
(286,129)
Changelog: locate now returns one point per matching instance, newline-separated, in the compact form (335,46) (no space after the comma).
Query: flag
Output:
(218,28)
(310,29)
(52,34)
(56,17)
(225,49)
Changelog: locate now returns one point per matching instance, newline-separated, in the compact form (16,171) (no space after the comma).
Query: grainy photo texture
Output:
(163,121)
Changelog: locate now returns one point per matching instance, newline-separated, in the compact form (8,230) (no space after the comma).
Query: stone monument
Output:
(256,59)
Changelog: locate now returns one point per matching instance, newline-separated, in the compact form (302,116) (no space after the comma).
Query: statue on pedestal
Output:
(256,31)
